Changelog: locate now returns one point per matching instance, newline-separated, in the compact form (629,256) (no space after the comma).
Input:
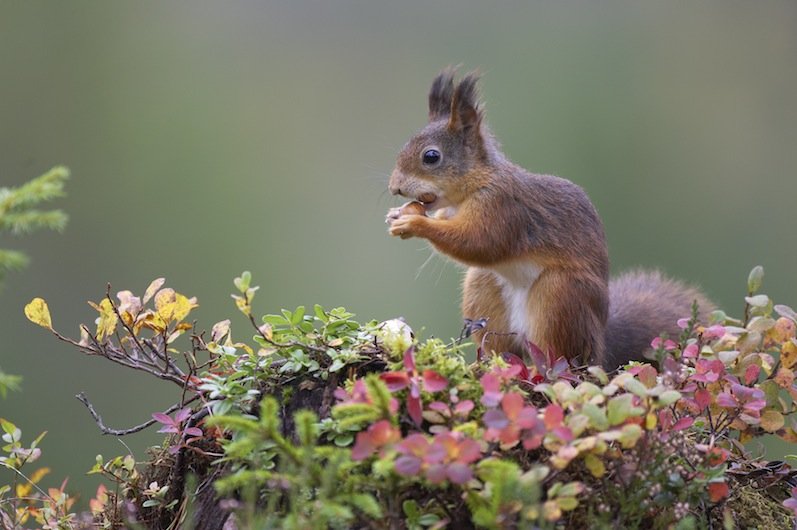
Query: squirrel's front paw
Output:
(392,215)
(403,226)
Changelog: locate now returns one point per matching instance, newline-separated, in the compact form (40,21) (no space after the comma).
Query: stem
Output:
(123,432)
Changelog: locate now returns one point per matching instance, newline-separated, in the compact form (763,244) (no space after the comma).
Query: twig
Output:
(123,432)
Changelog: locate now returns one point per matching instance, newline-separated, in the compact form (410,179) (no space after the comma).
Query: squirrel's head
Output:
(433,167)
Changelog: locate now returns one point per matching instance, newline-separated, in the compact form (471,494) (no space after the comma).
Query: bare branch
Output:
(123,432)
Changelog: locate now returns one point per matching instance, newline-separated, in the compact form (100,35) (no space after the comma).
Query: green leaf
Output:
(668,397)
(620,408)
(629,435)
(242,282)
(755,279)
(636,387)
(410,508)
(11,430)
(320,313)
(596,415)
(367,504)
(298,315)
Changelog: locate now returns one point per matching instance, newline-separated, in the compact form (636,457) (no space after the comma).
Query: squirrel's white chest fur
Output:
(516,279)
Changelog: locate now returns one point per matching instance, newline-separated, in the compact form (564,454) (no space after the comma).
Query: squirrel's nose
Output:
(395,190)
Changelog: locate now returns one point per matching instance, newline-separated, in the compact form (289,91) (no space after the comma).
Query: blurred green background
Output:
(206,138)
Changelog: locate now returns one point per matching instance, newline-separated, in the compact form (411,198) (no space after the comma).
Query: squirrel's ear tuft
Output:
(466,116)
(441,93)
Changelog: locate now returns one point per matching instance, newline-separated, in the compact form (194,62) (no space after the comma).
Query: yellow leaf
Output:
(106,323)
(38,313)
(23,490)
(172,306)
(242,304)
(772,420)
(651,420)
(788,354)
(594,465)
(37,475)
(245,347)
(149,320)
(552,511)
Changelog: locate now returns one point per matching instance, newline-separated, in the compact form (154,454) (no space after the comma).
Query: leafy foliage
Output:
(321,422)
(18,215)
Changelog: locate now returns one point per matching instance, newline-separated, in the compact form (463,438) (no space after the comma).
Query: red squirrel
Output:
(538,265)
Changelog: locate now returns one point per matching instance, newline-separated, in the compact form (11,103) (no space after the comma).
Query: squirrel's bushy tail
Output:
(642,306)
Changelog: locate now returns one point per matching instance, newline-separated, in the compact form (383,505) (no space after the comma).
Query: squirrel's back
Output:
(643,305)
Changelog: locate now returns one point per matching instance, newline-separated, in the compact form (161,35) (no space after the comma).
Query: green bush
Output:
(322,422)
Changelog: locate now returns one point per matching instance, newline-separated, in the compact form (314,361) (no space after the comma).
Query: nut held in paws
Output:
(413,208)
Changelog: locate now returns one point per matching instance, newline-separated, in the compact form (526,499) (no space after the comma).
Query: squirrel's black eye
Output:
(431,157)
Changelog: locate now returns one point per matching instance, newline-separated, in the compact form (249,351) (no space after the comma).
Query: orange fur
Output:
(539,266)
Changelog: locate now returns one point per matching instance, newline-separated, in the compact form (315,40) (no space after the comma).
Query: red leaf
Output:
(538,357)
(169,428)
(527,418)
(690,352)
(383,432)
(702,398)
(512,404)
(433,382)
(182,415)
(409,359)
(492,390)
(495,419)
(718,491)
(463,407)
(724,399)
(415,409)
(458,473)
(647,376)
(509,436)
(714,332)
(716,456)
(363,446)
(532,442)
(553,416)
(436,473)
(439,406)
(408,465)
(439,449)
(751,374)
(194,431)
(415,444)
(683,423)
(160,417)
(395,380)
(514,360)
(469,451)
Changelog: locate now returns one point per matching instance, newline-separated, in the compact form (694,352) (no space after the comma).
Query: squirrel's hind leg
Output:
(482,298)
